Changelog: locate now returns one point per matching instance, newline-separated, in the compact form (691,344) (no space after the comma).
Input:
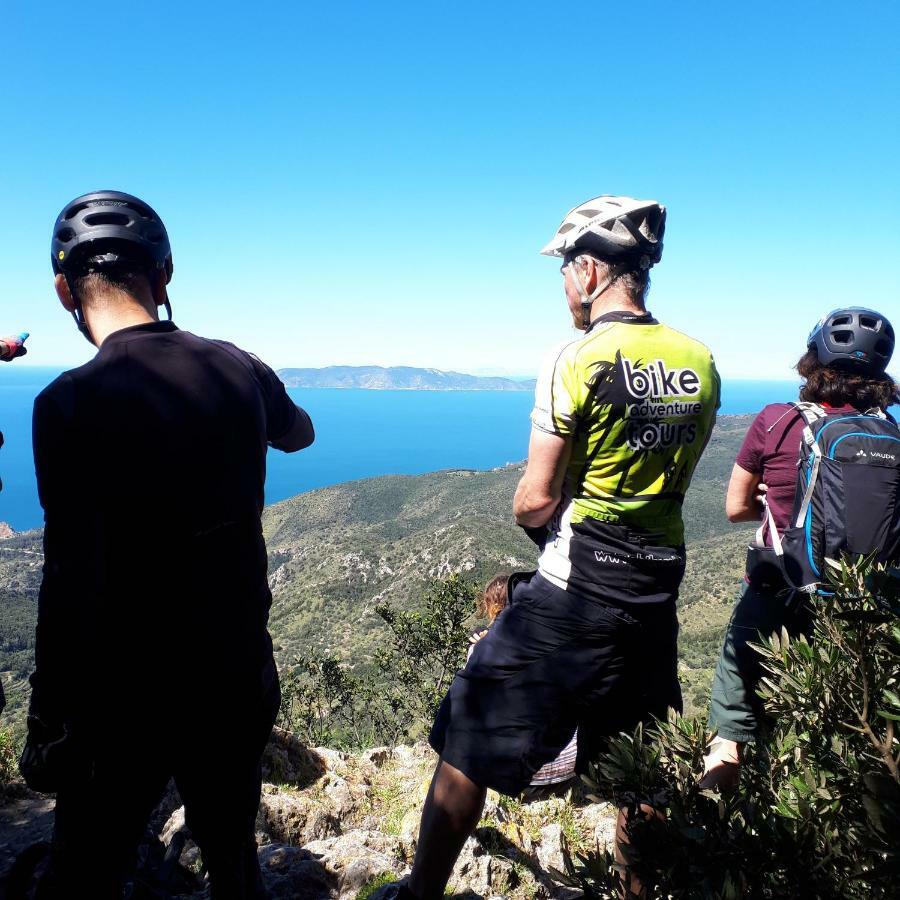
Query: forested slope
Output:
(335,552)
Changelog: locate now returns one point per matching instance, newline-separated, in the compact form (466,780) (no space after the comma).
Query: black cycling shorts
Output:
(552,662)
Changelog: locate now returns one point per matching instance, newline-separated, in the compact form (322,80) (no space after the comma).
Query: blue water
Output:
(359,433)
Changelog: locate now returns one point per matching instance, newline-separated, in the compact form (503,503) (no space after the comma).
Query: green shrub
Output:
(817,811)
(395,696)
(324,703)
(370,887)
(10,747)
(427,648)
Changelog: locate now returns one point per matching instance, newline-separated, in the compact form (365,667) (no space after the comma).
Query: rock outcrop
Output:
(334,826)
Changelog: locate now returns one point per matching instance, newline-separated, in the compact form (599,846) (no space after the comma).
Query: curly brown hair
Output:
(494,599)
(842,387)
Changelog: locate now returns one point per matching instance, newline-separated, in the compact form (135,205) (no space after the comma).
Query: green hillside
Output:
(335,552)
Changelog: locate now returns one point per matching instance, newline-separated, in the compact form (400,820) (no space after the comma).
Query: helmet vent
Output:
(589,213)
(842,337)
(74,210)
(106,218)
(566,226)
(840,320)
(64,235)
(868,322)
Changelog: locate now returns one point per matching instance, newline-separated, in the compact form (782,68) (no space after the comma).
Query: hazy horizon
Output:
(478,373)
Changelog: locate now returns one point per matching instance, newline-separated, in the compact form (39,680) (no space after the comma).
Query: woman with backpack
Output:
(844,375)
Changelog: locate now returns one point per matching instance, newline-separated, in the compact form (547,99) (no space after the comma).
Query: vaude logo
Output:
(655,380)
(875,454)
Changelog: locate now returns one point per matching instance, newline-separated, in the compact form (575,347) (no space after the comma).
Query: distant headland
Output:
(398,378)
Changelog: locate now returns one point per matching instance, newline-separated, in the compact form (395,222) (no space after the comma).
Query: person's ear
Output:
(63,292)
(591,276)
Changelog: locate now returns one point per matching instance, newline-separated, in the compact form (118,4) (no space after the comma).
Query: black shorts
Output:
(550,663)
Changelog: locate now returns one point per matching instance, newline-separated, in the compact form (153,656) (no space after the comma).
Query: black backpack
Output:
(847,498)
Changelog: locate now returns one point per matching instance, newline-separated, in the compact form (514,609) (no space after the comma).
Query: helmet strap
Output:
(587,300)
(77,313)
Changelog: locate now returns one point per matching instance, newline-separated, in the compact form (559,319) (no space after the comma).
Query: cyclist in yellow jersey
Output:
(590,641)
(632,402)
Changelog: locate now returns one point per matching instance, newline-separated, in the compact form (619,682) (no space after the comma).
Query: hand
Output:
(475,638)
(11,347)
(761,491)
(722,765)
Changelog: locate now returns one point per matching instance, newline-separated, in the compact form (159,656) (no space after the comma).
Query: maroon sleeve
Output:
(750,456)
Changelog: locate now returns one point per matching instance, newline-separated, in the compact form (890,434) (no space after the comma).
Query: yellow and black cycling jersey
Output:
(637,400)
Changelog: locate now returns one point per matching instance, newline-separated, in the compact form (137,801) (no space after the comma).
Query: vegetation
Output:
(326,704)
(427,647)
(10,748)
(337,554)
(371,886)
(817,811)
(20,573)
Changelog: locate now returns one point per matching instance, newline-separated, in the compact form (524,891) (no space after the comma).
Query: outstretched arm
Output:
(301,434)
(11,347)
(288,427)
(540,488)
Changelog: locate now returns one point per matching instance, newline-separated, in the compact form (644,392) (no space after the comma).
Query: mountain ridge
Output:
(402,378)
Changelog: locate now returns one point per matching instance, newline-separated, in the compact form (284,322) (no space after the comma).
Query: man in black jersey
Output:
(152,655)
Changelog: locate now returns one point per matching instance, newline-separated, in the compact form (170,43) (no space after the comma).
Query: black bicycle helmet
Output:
(855,338)
(108,231)
(105,228)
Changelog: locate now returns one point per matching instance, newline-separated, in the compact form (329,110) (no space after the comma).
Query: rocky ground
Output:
(336,826)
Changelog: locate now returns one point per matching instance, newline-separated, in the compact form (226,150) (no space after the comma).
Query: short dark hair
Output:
(127,278)
(838,386)
(635,279)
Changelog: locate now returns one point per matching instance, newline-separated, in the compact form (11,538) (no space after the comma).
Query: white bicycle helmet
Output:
(614,229)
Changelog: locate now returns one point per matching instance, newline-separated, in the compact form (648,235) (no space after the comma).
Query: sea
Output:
(359,434)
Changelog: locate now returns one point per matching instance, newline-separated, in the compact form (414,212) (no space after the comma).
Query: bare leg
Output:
(451,812)
(626,854)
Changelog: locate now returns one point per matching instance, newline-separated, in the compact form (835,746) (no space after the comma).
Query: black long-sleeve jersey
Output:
(150,462)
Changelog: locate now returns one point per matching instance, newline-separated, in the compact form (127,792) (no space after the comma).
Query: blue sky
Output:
(370,183)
